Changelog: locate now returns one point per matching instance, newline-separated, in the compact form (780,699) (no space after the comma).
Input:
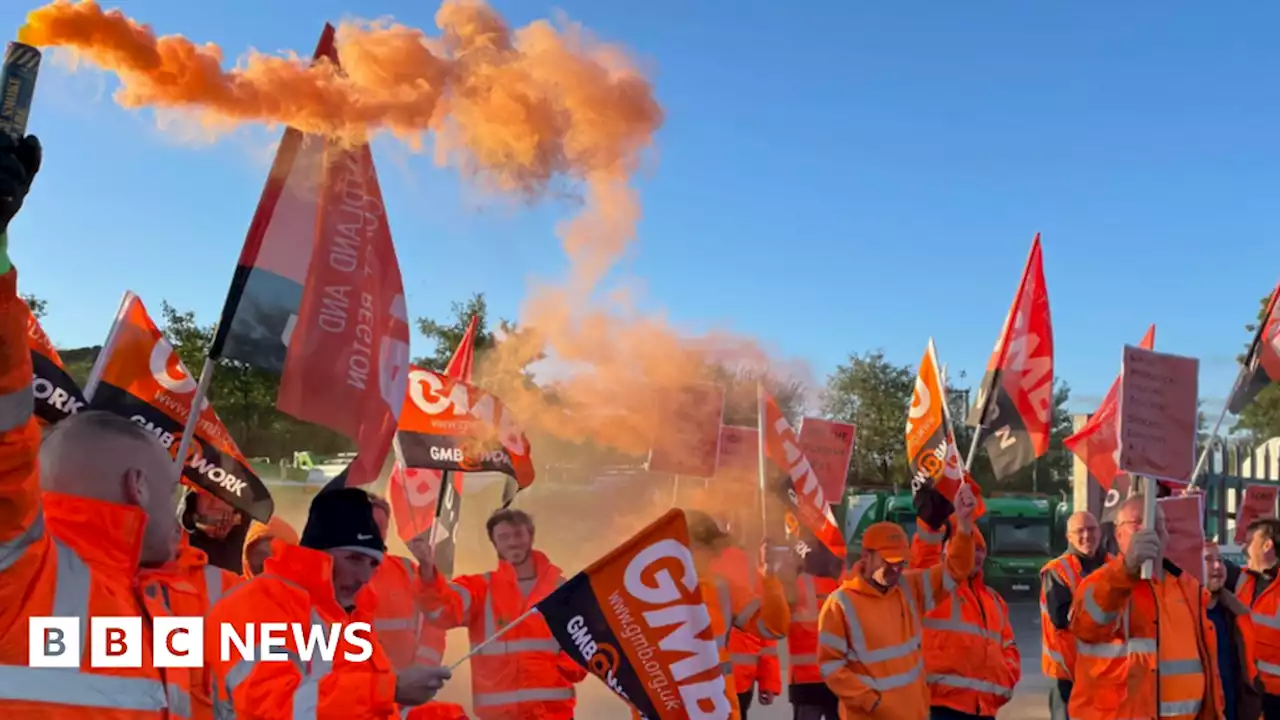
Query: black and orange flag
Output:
(1014,409)
(1262,364)
(448,424)
(139,376)
(637,620)
(317,297)
(57,394)
(932,456)
(1097,444)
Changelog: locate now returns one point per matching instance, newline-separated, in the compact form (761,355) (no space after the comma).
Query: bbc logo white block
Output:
(53,642)
(115,642)
(179,641)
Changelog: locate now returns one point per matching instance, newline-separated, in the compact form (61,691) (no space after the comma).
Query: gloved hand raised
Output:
(1144,546)
(19,163)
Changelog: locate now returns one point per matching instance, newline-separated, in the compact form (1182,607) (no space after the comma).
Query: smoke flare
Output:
(515,111)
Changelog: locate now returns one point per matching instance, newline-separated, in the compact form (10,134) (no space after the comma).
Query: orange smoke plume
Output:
(514,110)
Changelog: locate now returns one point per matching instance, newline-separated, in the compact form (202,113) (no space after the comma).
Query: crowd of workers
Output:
(92,524)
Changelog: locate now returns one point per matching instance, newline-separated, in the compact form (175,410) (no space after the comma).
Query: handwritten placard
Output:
(1259,502)
(739,451)
(1158,412)
(1184,519)
(829,447)
(687,439)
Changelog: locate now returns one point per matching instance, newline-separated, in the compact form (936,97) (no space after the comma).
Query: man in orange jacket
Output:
(871,627)
(816,579)
(1257,588)
(524,673)
(1145,648)
(970,659)
(1059,579)
(94,472)
(755,660)
(322,581)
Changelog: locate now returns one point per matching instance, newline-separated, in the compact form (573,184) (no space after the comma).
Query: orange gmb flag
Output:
(317,297)
(637,620)
(1097,444)
(800,490)
(57,394)
(139,376)
(1014,409)
(932,456)
(447,424)
(1262,364)
(413,493)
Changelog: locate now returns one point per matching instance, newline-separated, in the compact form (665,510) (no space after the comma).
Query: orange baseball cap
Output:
(889,540)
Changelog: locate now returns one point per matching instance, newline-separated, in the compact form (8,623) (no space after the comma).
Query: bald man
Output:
(1058,582)
(1146,648)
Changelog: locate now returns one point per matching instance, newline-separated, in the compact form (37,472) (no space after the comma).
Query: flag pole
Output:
(1213,436)
(762,459)
(193,417)
(486,642)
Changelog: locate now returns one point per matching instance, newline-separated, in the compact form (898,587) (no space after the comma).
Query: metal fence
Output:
(1232,466)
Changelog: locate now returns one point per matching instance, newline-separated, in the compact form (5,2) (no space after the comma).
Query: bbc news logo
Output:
(179,642)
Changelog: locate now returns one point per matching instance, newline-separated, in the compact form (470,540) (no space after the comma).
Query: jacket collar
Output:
(81,520)
(312,572)
(541,567)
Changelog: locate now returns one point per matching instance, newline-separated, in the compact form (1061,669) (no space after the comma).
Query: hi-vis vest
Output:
(1261,633)
(1058,647)
(802,641)
(398,620)
(306,696)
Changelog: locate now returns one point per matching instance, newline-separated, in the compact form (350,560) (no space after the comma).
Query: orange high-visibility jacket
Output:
(62,555)
(398,620)
(523,674)
(1260,630)
(754,659)
(970,660)
(731,605)
(1143,646)
(190,587)
(1058,647)
(296,586)
(802,641)
(869,648)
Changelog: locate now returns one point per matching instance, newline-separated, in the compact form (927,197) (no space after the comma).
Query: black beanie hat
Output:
(342,519)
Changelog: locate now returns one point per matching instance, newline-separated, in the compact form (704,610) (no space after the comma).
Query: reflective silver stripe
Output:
(1174,709)
(306,697)
(393,624)
(16,408)
(748,610)
(528,695)
(179,701)
(726,668)
(769,651)
(1181,667)
(763,630)
(959,626)
(893,682)
(212,584)
(12,550)
(507,647)
(833,642)
(743,659)
(408,565)
(960,681)
(1055,656)
(858,649)
(71,589)
(1142,645)
(1073,579)
(428,654)
(802,659)
(1240,582)
(1267,621)
(830,667)
(1105,651)
(73,688)
(1268,667)
(726,611)
(1096,613)
(465,594)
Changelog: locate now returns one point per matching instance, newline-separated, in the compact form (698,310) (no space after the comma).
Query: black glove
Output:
(19,163)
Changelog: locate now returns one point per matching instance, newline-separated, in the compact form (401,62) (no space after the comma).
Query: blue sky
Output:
(831,179)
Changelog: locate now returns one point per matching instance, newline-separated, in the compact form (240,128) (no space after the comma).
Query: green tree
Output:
(1261,418)
(873,394)
(39,307)
(739,383)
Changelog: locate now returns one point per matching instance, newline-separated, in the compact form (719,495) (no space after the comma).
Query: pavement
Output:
(1030,701)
